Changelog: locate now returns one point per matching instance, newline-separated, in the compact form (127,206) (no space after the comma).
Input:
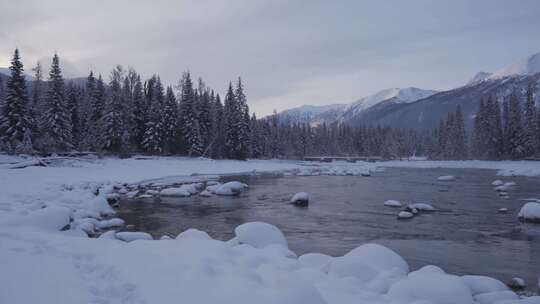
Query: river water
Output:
(466,235)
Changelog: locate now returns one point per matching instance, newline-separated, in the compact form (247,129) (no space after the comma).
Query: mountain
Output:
(5,72)
(393,96)
(528,66)
(313,115)
(479,77)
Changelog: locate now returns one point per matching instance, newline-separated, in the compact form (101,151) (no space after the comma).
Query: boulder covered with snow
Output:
(530,212)
(260,235)
(300,199)
(446,178)
(497,182)
(368,262)
(517,283)
(128,236)
(178,191)
(114,222)
(205,193)
(193,233)
(317,261)
(392,203)
(483,284)
(422,207)
(505,187)
(231,188)
(403,215)
(430,284)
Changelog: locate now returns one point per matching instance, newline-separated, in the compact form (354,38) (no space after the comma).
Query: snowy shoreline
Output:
(37,203)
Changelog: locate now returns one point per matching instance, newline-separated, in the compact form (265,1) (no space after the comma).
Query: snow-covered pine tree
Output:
(217,138)
(153,136)
(15,119)
(205,120)
(460,135)
(530,124)
(231,118)
(170,122)
(56,123)
(139,115)
(111,137)
(73,96)
(450,140)
(242,123)
(189,123)
(37,108)
(516,135)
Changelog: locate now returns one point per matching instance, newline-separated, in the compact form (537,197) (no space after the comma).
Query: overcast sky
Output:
(288,52)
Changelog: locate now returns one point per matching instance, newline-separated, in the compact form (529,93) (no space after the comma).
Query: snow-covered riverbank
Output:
(41,264)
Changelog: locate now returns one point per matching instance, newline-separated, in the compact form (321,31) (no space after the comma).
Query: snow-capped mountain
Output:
(313,114)
(528,66)
(395,95)
(6,72)
(479,77)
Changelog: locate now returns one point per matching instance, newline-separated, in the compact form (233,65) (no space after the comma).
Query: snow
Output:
(482,284)
(259,235)
(300,198)
(46,255)
(405,215)
(528,66)
(129,236)
(517,283)
(180,191)
(497,182)
(398,95)
(422,207)
(231,188)
(205,193)
(392,203)
(530,212)
(446,178)
(493,297)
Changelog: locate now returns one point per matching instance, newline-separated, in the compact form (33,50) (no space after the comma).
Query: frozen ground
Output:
(46,256)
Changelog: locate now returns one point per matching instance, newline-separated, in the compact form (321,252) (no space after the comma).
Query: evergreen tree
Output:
(153,136)
(530,123)
(111,137)
(73,96)
(170,121)
(15,119)
(231,116)
(242,121)
(217,139)
(191,129)
(460,135)
(56,120)
(516,135)
(505,128)
(139,114)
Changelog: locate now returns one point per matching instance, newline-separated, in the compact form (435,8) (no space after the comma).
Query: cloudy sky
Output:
(288,52)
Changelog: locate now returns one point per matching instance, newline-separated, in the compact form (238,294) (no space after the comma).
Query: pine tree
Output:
(529,125)
(56,123)
(153,136)
(189,123)
(242,123)
(217,139)
(73,96)
(505,129)
(516,134)
(231,118)
(15,119)
(139,114)
(111,127)
(460,135)
(170,121)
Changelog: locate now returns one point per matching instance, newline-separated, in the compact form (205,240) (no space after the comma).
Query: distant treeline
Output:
(126,115)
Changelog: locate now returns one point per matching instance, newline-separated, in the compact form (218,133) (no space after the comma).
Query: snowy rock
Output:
(98,204)
(422,207)
(132,194)
(431,285)
(51,218)
(365,173)
(193,234)
(142,196)
(505,187)
(231,188)
(517,283)
(111,234)
(368,261)
(259,235)
(213,188)
(87,227)
(165,237)
(405,215)
(205,193)
(503,210)
(152,192)
(446,178)
(191,188)
(128,236)
(497,182)
(530,212)
(212,183)
(392,203)
(115,222)
(495,297)
(317,261)
(482,284)
(300,199)
(181,191)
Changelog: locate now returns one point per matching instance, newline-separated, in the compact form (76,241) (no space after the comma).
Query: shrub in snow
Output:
(392,203)
(482,284)
(497,182)
(431,285)
(405,215)
(317,261)
(182,192)
(300,199)
(231,188)
(128,236)
(446,178)
(530,212)
(368,261)
(193,234)
(259,235)
(517,283)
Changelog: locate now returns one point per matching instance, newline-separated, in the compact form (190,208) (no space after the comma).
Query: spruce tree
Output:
(73,96)
(140,114)
(217,139)
(231,117)
(505,128)
(516,134)
(530,123)
(460,135)
(170,122)
(153,136)
(242,122)
(191,129)
(15,119)
(111,135)
(56,121)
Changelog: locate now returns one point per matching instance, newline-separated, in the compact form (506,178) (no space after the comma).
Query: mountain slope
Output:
(528,66)
(312,114)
